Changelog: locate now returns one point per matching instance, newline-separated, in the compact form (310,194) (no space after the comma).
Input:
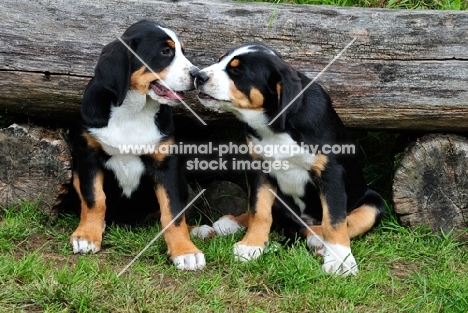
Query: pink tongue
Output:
(164,92)
(174,95)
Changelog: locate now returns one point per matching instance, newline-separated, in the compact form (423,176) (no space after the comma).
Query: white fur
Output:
(190,262)
(132,123)
(337,259)
(177,77)
(219,85)
(291,181)
(245,253)
(226,226)
(203,232)
(82,245)
(128,170)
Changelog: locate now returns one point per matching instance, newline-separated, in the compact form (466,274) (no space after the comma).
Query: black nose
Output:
(193,71)
(200,77)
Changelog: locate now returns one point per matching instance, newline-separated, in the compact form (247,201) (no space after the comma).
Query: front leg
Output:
(183,253)
(88,235)
(331,239)
(259,221)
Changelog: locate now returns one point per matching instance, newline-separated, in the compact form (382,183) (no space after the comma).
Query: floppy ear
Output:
(288,86)
(113,70)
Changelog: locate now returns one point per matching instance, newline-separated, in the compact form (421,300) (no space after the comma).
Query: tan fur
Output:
(336,233)
(358,222)
(91,224)
(259,222)
(176,236)
(170,43)
(254,101)
(91,141)
(141,79)
(234,63)
(160,156)
(319,164)
(242,219)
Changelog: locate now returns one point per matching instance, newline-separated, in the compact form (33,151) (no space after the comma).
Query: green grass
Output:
(389,4)
(401,270)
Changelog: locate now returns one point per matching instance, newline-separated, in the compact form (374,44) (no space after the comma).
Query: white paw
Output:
(190,262)
(338,259)
(316,244)
(246,253)
(226,226)
(203,231)
(82,246)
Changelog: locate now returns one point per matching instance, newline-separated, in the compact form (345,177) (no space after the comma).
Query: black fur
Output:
(310,119)
(106,89)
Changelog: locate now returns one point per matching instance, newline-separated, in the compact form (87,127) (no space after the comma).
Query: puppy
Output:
(254,83)
(125,117)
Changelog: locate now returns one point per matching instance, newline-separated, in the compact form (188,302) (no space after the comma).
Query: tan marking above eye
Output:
(234,63)
(170,43)
(141,79)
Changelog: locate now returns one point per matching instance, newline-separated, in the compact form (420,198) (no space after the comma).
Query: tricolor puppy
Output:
(254,83)
(125,117)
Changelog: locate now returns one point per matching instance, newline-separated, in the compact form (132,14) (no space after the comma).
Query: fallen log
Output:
(407,70)
(35,167)
(431,185)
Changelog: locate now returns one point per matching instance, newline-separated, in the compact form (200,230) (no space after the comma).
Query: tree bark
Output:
(407,70)
(431,184)
(35,167)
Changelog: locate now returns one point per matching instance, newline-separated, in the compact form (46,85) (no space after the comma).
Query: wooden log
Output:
(407,69)
(431,184)
(35,166)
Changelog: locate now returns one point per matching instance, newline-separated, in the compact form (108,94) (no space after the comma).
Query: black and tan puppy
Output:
(254,83)
(125,117)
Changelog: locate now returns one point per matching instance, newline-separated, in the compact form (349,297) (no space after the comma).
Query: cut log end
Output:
(430,185)
(36,167)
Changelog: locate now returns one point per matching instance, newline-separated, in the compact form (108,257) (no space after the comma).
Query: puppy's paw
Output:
(203,231)
(190,262)
(246,253)
(226,225)
(83,245)
(87,239)
(338,259)
(316,244)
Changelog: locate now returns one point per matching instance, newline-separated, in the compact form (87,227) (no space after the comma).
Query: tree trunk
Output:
(35,166)
(431,184)
(406,70)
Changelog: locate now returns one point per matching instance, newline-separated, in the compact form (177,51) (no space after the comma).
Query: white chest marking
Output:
(281,147)
(128,170)
(130,125)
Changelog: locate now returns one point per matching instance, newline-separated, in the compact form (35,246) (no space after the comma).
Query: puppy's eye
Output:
(234,71)
(167,51)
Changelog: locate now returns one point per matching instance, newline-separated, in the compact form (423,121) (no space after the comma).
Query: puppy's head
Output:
(151,62)
(251,81)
